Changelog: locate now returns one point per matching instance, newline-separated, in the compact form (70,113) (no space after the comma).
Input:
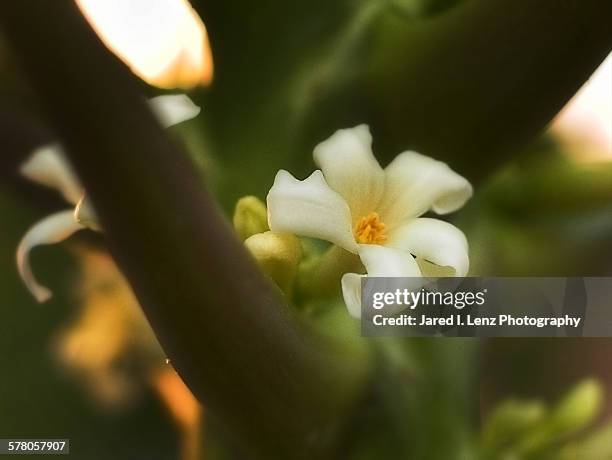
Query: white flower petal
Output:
(379,261)
(164,42)
(387,261)
(350,168)
(309,208)
(416,183)
(435,241)
(173,109)
(431,270)
(52,229)
(351,291)
(49,166)
(85,214)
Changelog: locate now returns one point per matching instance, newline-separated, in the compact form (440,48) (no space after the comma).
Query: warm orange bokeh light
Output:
(585,124)
(184,407)
(164,42)
(109,327)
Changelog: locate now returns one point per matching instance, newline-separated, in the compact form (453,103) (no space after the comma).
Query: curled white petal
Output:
(173,109)
(309,208)
(164,42)
(435,241)
(85,214)
(417,183)
(351,291)
(48,166)
(350,168)
(52,229)
(379,261)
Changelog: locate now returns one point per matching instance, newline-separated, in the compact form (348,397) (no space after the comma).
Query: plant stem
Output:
(473,85)
(276,387)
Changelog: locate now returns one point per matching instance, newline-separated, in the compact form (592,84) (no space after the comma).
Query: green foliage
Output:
(508,421)
(558,212)
(594,446)
(527,430)
(419,9)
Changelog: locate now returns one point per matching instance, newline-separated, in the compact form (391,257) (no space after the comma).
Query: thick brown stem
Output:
(225,328)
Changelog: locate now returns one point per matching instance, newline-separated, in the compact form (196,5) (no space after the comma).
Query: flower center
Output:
(370,230)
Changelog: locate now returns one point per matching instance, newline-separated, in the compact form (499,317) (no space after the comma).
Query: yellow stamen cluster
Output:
(370,230)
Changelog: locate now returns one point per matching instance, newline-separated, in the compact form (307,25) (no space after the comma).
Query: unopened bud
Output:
(250,217)
(579,407)
(574,412)
(278,255)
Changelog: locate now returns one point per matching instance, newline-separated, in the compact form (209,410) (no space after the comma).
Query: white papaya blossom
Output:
(164,42)
(48,166)
(373,212)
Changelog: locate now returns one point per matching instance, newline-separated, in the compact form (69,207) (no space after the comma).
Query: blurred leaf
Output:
(281,68)
(447,412)
(573,413)
(578,408)
(429,397)
(454,87)
(508,421)
(424,8)
(473,85)
(595,446)
(559,213)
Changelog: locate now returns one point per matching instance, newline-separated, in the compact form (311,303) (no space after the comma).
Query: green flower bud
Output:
(576,410)
(509,420)
(278,255)
(579,407)
(250,217)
